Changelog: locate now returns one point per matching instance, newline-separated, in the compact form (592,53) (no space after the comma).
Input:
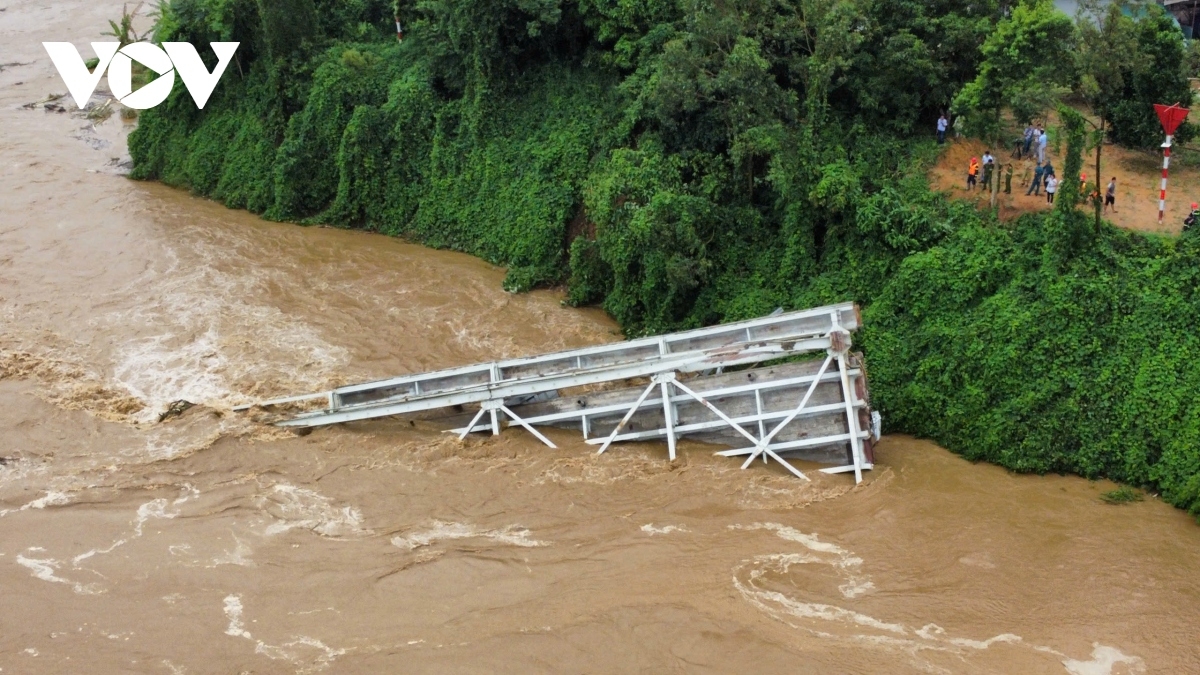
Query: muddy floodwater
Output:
(210,543)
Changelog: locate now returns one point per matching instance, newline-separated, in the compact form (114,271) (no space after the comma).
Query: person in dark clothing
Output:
(1035,186)
(1029,133)
(1192,218)
(1110,195)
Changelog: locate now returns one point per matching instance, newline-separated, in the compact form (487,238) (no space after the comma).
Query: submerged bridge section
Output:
(781,387)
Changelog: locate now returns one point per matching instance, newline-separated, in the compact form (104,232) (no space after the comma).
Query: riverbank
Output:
(1138,175)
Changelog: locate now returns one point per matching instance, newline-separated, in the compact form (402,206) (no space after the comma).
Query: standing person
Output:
(1029,131)
(942,125)
(1110,195)
(989,166)
(958,126)
(972,172)
(1051,188)
(1192,218)
(1008,173)
(1035,188)
(1026,172)
(1042,141)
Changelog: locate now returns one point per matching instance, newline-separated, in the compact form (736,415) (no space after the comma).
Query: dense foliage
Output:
(1119,57)
(682,162)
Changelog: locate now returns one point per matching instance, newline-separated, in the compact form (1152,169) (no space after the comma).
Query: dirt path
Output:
(1137,176)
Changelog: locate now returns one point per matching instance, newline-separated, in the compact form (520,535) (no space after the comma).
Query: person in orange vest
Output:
(972,173)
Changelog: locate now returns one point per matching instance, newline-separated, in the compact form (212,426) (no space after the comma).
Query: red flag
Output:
(1170,116)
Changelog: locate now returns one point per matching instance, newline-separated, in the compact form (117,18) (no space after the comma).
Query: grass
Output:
(1122,495)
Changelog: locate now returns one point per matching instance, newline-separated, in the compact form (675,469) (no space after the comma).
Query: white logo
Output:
(118,61)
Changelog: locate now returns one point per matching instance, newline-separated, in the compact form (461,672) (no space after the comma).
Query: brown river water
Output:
(211,543)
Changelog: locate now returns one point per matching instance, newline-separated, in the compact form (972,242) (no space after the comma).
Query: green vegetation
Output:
(683,162)
(1122,495)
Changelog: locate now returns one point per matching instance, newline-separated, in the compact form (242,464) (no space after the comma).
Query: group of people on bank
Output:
(1040,177)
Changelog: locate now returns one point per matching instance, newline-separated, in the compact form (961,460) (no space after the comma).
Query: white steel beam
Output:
(740,355)
(628,416)
(711,425)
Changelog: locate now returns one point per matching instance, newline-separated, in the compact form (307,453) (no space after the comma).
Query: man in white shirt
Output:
(1042,140)
(942,125)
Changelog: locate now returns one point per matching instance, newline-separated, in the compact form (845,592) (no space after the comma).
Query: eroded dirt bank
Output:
(210,543)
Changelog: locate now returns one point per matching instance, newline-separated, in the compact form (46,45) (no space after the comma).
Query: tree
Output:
(1108,57)
(1157,75)
(1027,65)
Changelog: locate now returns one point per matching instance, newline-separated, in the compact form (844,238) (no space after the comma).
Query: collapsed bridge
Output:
(783,387)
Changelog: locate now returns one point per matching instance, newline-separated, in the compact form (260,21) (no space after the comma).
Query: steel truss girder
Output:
(663,360)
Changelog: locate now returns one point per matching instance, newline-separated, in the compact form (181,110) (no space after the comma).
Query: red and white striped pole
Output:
(1171,117)
(1162,190)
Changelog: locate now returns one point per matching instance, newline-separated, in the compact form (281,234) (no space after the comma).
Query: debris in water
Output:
(98,112)
(176,409)
(1122,495)
(48,99)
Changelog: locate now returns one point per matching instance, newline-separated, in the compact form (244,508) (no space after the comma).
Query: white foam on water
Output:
(152,509)
(212,338)
(749,576)
(189,493)
(651,530)
(46,570)
(296,507)
(159,370)
(1103,660)
(511,535)
(294,650)
(856,583)
(233,612)
(238,556)
(156,508)
(51,498)
(932,631)
(780,563)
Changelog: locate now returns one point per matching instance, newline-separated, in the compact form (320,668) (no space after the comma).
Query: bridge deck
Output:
(696,395)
